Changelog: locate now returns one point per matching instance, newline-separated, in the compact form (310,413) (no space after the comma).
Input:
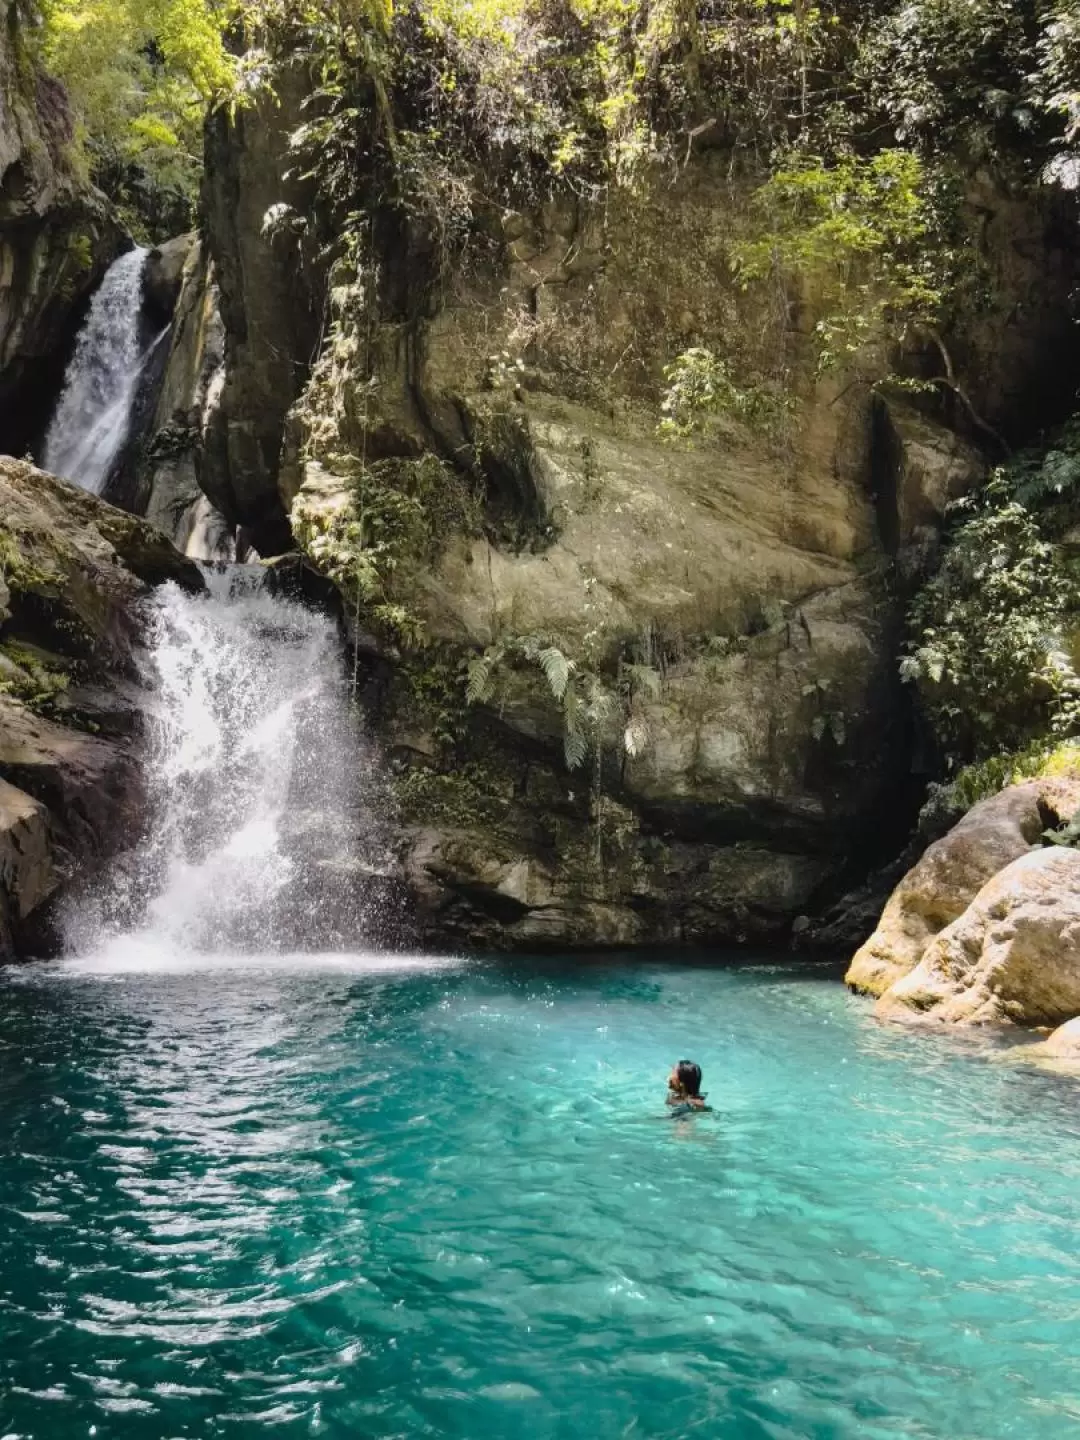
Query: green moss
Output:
(467,797)
(27,678)
(18,569)
(397,516)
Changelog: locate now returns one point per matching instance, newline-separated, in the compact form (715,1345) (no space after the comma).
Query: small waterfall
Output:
(93,414)
(264,828)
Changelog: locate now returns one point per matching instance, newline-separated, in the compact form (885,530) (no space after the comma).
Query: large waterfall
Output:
(93,414)
(264,804)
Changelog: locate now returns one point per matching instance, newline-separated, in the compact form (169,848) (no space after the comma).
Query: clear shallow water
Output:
(366,1197)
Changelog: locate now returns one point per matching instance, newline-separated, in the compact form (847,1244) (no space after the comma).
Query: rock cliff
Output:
(727,610)
(636,682)
(74,571)
(57,235)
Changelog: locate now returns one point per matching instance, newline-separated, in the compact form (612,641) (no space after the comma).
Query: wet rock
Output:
(57,236)
(27,878)
(1012,956)
(76,574)
(76,564)
(85,783)
(268,272)
(164,275)
(939,888)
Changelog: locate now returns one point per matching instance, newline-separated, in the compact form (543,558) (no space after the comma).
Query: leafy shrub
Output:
(990,647)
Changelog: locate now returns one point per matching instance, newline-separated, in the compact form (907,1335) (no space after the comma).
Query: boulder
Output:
(27,877)
(164,275)
(85,783)
(75,574)
(1064,1043)
(951,873)
(75,566)
(1013,956)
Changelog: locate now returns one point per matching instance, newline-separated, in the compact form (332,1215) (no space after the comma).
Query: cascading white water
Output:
(264,801)
(93,414)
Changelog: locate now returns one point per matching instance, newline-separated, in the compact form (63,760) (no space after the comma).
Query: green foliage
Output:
(586,704)
(957,72)
(1067,835)
(867,241)
(1048,482)
(391,515)
(1041,758)
(991,633)
(701,387)
(140,74)
(467,796)
(29,679)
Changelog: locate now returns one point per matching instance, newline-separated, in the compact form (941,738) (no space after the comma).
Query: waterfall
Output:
(93,414)
(264,804)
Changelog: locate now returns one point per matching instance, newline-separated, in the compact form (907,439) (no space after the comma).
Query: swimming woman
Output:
(684,1089)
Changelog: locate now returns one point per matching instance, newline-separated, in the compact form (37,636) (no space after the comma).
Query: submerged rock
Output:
(938,889)
(1013,955)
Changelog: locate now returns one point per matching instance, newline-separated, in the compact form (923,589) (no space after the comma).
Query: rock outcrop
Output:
(728,608)
(271,304)
(1012,956)
(1064,1043)
(170,457)
(74,573)
(944,882)
(57,235)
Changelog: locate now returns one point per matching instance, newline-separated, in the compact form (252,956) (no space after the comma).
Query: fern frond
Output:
(557,668)
(636,737)
(602,704)
(645,679)
(575,736)
(481,679)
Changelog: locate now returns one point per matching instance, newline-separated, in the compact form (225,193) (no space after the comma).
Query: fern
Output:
(575,734)
(1056,478)
(636,737)
(644,680)
(557,669)
(481,679)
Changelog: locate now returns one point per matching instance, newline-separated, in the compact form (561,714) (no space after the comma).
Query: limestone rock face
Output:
(76,571)
(1013,955)
(939,888)
(57,235)
(733,595)
(164,276)
(256,226)
(171,465)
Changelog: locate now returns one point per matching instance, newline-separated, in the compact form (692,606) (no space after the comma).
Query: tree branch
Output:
(950,382)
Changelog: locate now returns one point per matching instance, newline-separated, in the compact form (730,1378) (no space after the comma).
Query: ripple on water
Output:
(375,1196)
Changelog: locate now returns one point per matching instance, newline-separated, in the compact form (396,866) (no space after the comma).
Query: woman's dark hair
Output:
(689,1077)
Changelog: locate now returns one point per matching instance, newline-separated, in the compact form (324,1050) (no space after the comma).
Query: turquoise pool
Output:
(369,1198)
